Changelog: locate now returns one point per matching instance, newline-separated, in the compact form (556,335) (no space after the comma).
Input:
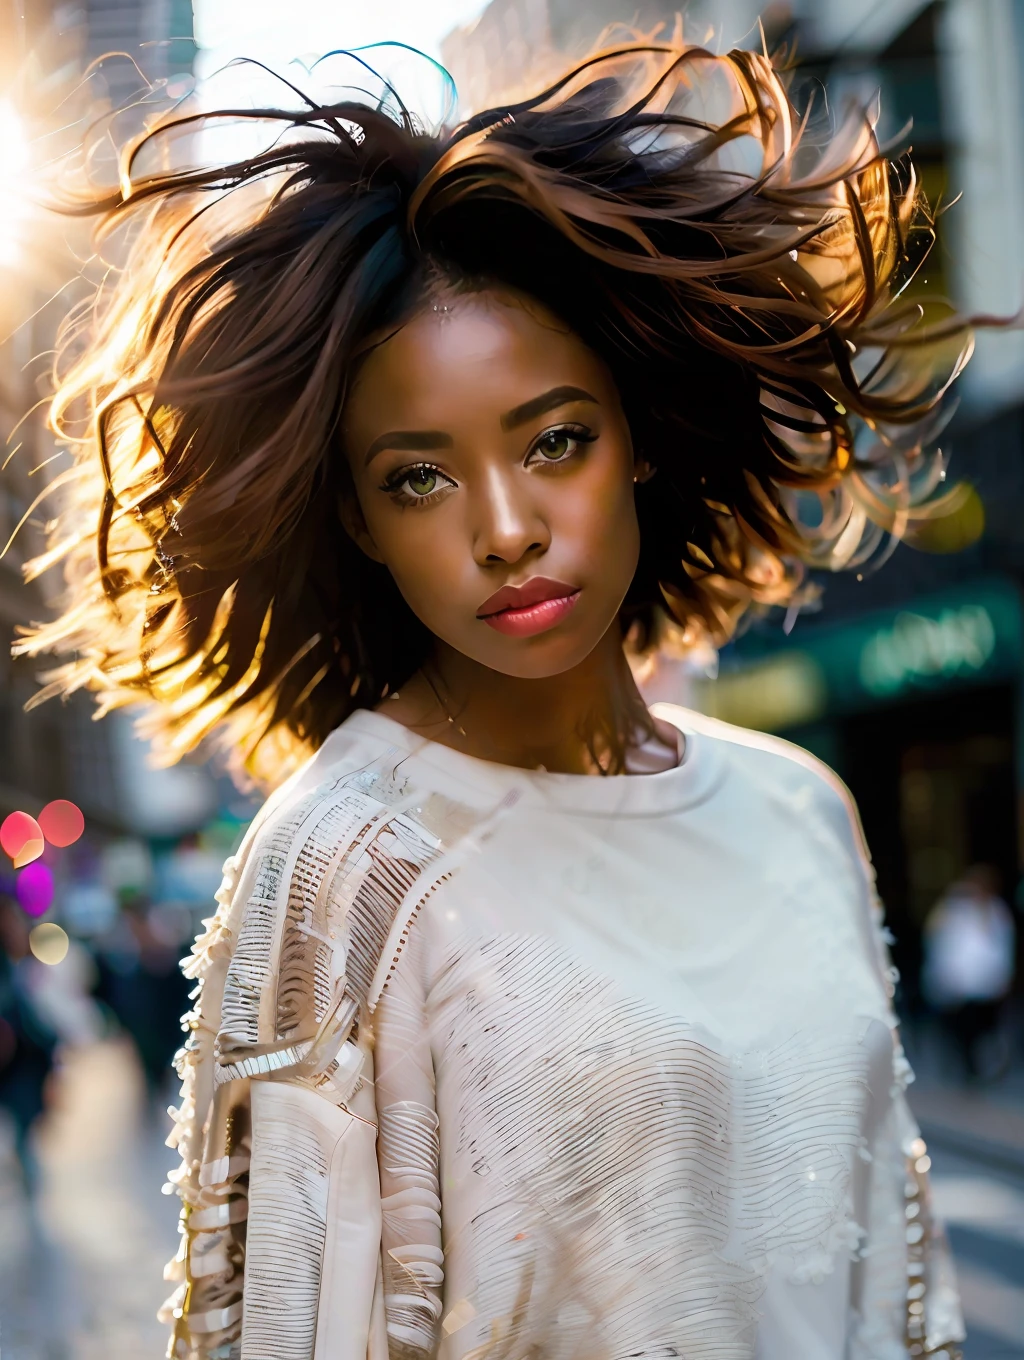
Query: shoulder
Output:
(813,802)
(342,860)
(355,760)
(776,769)
(284,902)
(357,776)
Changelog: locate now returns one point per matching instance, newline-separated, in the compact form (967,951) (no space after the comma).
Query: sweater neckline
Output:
(614,795)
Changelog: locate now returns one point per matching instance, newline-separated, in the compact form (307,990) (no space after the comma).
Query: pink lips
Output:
(534,607)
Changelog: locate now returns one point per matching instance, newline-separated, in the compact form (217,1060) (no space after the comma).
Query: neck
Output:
(584,721)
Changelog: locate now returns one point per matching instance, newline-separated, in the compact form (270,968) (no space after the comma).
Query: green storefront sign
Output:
(967,635)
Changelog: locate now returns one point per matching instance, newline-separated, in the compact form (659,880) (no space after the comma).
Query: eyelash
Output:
(578,434)
(392,485)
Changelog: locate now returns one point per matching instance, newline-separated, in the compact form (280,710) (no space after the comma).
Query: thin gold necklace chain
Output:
(440,702)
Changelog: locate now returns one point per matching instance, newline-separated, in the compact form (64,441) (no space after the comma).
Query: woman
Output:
(531,1022)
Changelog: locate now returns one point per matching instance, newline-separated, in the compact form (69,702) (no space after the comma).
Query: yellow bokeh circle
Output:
(48,942)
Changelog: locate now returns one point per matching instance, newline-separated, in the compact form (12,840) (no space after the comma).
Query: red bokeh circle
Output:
(62,822)
(22,838)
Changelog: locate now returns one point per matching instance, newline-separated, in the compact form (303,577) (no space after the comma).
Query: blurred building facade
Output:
(46,47)
(910,682)
(132,891)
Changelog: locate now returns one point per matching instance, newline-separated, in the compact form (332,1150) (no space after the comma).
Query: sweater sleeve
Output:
(281,1192)
(408,1156)
(908,1303)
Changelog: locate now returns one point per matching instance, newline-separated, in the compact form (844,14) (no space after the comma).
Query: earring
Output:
(644,472)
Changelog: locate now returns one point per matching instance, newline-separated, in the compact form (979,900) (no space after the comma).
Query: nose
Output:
(509,525)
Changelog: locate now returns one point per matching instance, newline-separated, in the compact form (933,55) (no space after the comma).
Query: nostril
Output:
(498,557)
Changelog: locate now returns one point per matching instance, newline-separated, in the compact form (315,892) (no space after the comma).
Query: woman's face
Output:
(494,477)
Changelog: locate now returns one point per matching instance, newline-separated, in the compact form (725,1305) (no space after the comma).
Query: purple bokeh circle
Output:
(35,888)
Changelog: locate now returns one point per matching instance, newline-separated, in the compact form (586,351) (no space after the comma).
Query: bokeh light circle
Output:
(61,822)
(48,942)
(22,838)
(34,889)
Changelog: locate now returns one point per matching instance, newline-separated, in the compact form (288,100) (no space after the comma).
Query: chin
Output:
(536,667)
(539,657)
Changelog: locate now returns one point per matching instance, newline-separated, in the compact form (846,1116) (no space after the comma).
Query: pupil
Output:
(423,482)
(554,445)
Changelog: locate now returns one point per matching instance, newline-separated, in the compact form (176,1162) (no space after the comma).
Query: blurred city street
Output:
(81,1269)
(983,1206)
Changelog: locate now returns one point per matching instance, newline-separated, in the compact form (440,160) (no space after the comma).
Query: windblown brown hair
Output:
(739,275)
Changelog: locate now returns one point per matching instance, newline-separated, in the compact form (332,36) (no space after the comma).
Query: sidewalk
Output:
(985,1123)
(81,1269)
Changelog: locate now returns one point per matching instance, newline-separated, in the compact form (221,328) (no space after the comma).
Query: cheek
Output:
(601,522)
(426,553)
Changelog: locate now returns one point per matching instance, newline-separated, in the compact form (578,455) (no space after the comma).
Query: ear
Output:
(643,471)
(350,512)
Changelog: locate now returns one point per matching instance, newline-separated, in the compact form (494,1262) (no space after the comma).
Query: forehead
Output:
(471,357)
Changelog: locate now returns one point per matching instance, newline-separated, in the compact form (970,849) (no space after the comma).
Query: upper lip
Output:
(534,591)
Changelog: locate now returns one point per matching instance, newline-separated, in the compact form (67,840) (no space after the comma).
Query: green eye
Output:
(416,485)
(421,481)
(555,444)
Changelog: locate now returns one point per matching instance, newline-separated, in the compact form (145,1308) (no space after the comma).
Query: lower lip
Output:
(535,618)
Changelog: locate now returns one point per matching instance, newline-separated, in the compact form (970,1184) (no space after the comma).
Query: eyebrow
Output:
(420,441)
(539,406)
(414,441)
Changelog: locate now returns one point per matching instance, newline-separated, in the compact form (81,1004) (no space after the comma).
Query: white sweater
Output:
(527,1066)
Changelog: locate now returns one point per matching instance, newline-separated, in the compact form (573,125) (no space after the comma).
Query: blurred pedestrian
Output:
(968,969)
(27,1040)
(143,986)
